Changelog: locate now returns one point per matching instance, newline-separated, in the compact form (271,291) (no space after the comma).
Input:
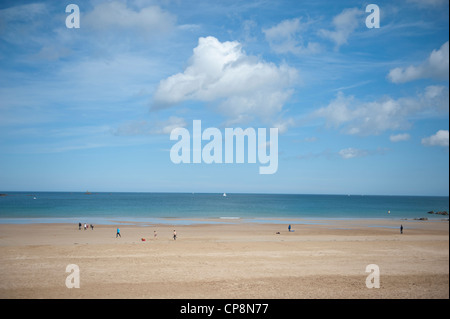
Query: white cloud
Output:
(22,25)
(143,127)
(165,127)
(438,139)
(116,15)
(372,118)
(399,137)
(344,24)
(286,37)
(283,124)
(435,67)
(350,152)
(242,87)
(10,17)
(433,91)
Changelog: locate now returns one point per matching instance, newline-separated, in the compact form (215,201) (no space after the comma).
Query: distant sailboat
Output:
(224,195)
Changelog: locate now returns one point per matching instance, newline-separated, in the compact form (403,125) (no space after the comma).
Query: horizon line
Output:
(87,192)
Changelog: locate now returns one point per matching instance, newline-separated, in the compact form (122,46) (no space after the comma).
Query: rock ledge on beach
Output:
(443,213)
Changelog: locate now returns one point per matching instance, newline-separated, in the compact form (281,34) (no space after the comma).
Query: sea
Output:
(193,208)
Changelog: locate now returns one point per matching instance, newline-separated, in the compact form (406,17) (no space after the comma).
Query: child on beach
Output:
(174,235)
(118,233)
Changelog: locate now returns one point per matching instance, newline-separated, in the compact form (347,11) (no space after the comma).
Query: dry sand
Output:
(227,261)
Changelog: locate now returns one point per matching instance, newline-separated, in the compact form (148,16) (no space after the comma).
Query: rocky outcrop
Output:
(443,213)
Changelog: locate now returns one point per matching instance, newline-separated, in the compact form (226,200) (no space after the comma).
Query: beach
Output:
(227,260)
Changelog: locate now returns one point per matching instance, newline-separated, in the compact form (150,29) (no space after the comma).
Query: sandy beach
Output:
(222,261)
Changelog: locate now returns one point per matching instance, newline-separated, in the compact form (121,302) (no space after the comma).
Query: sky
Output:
(358,110)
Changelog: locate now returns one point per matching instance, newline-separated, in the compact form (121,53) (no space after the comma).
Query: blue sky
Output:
(359,110)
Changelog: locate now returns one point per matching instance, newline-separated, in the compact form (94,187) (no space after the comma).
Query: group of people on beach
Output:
(155,234)
(85,226)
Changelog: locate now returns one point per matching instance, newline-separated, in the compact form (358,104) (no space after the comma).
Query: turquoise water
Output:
(29,207)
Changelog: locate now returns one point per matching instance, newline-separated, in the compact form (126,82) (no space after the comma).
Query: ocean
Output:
(186,208)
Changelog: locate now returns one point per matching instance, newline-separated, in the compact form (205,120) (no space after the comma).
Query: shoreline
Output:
(138,221)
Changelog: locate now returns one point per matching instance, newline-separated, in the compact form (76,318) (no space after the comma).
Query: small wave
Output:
(229,217)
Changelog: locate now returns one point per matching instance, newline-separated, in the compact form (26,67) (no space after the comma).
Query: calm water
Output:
(21,207)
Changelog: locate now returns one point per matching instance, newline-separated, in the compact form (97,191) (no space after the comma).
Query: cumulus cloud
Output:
(435,67)
(116,15)
(286,37)
(372,118)
(241,87)
(438,139)
(399,137)
(344,24)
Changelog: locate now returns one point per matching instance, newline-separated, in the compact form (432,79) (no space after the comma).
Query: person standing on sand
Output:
(155,234)
(118,233)
(174,235)
(401,229)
